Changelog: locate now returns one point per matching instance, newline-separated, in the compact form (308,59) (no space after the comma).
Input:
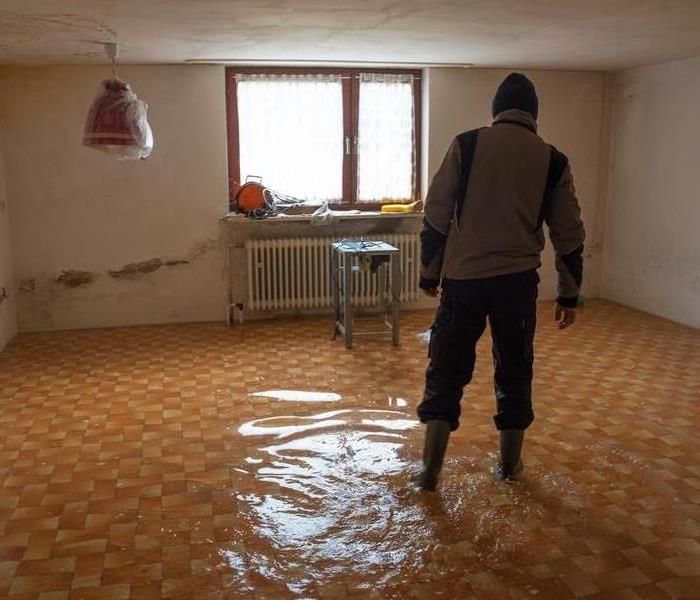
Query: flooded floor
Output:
(266,461)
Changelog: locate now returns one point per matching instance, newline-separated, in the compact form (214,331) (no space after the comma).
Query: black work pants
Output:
(509,303)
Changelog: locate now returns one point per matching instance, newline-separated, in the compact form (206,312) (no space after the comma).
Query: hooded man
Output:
(480,244)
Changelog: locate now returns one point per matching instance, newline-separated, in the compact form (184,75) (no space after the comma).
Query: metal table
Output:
(345,255)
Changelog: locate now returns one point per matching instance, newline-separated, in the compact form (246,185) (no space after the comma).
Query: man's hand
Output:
(432,292)
(564,316)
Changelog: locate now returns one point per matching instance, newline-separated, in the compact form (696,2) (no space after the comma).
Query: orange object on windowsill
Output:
(250,196)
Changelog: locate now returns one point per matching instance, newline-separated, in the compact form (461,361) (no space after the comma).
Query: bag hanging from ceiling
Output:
(117,122)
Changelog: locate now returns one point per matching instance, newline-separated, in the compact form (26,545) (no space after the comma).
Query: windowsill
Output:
(339,215)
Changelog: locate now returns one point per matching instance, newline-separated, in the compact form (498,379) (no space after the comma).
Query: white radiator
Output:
(295,273)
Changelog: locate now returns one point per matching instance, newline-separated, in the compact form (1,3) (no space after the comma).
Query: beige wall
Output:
(76,209)
(652,244)
(570,117)
(8,304)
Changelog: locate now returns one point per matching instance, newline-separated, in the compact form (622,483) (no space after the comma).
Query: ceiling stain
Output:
(594,35)
(14,25)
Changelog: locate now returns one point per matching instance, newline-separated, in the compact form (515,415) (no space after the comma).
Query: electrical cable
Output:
(275,204)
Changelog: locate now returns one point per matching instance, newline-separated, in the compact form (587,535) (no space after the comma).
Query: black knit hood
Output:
(516,92)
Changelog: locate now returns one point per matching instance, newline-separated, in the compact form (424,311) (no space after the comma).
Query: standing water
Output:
(328,506)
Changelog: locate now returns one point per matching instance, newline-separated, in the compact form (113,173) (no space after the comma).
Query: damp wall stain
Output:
(72,278)
(143,267)
(169,289)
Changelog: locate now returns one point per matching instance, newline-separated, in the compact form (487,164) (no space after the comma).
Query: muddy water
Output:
(341,511)
(329,508)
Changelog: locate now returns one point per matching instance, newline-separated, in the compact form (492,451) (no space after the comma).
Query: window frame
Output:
(351,101)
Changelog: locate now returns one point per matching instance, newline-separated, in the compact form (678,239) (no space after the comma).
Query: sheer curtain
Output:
(386,137)
(291,133)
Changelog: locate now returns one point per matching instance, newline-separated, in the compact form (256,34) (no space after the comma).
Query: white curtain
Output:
(386,137)
(291,133)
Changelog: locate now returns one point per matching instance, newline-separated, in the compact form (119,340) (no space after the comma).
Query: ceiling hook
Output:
(112,52)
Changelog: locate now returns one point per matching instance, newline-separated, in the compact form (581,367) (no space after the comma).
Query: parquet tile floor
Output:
(266,461)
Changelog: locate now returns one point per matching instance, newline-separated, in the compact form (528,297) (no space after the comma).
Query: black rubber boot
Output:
(511,446)
(437,434)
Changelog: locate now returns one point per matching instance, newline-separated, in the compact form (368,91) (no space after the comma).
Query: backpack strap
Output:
(557,163)
(467,148)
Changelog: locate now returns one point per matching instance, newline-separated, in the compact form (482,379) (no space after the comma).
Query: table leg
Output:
(335,289)
(395,298)
(381,291)
(347,297)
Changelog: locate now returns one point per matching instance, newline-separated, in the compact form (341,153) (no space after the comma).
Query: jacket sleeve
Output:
(439,211)
(567,234)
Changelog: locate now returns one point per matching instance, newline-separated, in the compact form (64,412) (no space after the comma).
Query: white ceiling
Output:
(571,34)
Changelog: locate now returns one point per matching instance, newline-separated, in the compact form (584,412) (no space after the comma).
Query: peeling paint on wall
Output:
(153,264)
(27,285)
(203,247)
(146,266)
(173,262)
(73,278)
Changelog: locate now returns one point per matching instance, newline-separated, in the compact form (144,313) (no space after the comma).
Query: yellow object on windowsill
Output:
(402,208)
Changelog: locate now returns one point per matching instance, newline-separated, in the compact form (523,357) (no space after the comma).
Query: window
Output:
(344,135)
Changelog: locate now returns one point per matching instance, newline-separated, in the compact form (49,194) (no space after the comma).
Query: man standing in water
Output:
(481,243)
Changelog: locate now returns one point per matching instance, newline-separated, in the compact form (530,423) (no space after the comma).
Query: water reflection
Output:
(267,426)
(395,425)
(398,402)
(341,507)
(328,501)
(299,396)
(424,336)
